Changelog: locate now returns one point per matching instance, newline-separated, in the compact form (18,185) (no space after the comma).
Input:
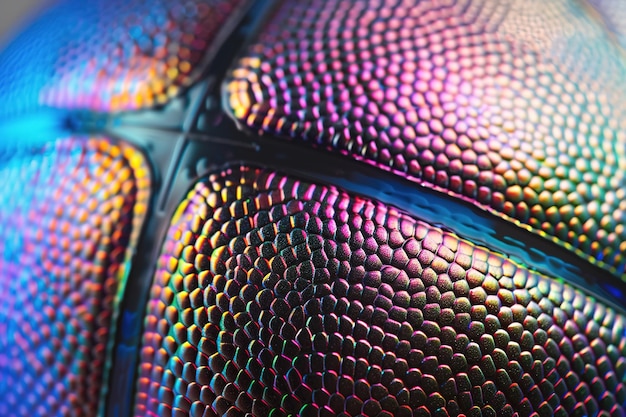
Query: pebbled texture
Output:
(70,214)
(110,55)
(277,297)
(515,106)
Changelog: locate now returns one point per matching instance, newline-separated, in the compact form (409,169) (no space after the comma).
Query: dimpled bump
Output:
(69,214)
(278,297)
(516,106)
(109,55)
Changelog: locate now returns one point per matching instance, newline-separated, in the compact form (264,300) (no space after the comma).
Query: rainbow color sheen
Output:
(278,297)
(454,246)
(515,106)
(110,55)
(70,215)
(613,15)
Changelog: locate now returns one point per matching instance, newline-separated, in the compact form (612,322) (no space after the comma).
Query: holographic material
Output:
(110,55)
(613,16)
(516,106)
(69,216)
(276,297)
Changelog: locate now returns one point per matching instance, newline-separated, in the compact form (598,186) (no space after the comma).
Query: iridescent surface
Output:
(517,106)
(277,297)
(110,55)
(69,216)
(613,15)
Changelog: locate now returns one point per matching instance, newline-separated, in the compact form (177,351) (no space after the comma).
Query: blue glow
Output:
(32,129)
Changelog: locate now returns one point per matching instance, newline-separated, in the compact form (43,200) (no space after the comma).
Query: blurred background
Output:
(14,15)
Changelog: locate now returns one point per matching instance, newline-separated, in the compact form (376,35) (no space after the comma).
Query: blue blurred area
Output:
(15,15)
(23,132)
(28,61)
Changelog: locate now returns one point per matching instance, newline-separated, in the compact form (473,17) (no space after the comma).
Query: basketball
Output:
(314,208)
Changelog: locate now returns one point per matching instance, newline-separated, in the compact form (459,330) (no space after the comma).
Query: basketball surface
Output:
(314,208)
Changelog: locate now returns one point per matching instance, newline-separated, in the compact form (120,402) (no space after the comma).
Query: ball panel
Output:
(513,106)
(110,55)
(274,296)
(70,215)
